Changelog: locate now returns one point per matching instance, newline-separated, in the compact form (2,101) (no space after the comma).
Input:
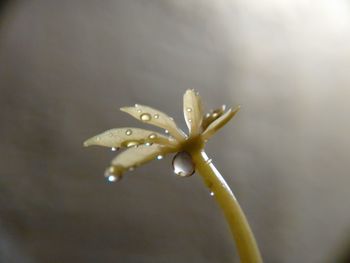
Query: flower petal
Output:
(152,116)
(123,137)
(219,122)
(212,116)
(193,111)
(136,156)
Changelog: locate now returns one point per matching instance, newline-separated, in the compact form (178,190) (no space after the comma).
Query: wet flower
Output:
(142,146)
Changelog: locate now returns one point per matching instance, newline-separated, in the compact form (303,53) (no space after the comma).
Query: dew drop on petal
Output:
(131,144)
(190,120)
(113,149)
(166,131)
(128,132)
(159,157)
(152,136)
(139,111)
(212,193)
(183,165)
(148,144)
(189,109)
(145,117)
(156,116)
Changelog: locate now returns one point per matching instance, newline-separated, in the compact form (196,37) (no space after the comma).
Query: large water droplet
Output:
(183,165)
(145,117)
(128,132)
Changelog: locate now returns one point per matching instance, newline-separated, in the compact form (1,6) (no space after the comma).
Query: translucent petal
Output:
(193,111)
(123,137)
(136,156)
(218,123)
(152,116)
(212,116)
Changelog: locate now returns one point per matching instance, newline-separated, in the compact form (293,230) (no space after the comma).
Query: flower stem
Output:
(245,242)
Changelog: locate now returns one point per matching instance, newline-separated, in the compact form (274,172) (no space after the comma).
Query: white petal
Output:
(136,156)
(193,111)
(123,136)
(218,123)
(155,117)
(212,116)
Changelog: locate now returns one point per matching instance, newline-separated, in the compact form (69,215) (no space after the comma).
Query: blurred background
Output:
(67,66)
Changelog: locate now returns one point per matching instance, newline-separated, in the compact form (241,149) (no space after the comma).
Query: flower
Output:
(143,146)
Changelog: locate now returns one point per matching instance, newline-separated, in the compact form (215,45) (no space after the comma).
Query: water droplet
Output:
(190,120)
(212,193)
(215,115)
(159,157)
(136,105)
(112,174)
(166,131)
(131,144)
(183,165)
(113,149)
(148,144)
(98,138)
(156,116)
(207,115)
(171,118)
(145,117)
(152,136)
(139,111)
(128,132)
(189,109)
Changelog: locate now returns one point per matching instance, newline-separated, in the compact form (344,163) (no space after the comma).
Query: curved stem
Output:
(244,238)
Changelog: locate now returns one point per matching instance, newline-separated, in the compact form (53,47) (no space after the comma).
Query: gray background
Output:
(67,66)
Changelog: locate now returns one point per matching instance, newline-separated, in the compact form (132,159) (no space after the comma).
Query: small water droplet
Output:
(183,165)
(159,157)
(145,117)
(190,120)
(189,109)
(156,116)
(152,136)
(212,193)
(128,132)
(113,149)
(215,115)
(148,144)
(139,111)
(112,174)
(136,105)
(131,144)
(166,131)
(207,115)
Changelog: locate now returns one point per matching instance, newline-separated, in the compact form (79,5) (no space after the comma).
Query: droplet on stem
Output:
(212,193)
(183,165)
(159,157)
(189,109)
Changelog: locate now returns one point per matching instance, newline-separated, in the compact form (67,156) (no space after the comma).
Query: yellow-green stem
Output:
(245,242)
